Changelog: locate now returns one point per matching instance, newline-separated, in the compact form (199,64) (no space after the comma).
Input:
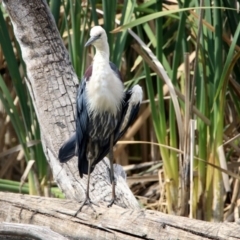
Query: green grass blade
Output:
(120,43)
(55,9)
(153,16)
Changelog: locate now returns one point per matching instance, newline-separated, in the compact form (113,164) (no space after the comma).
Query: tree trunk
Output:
(107,223)
(53,85)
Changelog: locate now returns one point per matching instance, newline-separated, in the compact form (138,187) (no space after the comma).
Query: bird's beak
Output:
(91,40)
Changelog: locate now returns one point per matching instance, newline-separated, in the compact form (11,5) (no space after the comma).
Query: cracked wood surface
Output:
(108,223)
(52,85)
(25,231)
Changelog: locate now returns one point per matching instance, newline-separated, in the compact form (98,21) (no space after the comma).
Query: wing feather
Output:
(81,129)
(67,150)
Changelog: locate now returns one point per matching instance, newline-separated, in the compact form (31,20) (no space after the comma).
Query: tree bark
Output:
(108,223)
(53,85)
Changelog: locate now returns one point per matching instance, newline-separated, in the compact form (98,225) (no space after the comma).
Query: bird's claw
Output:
(111,202)
(87,201)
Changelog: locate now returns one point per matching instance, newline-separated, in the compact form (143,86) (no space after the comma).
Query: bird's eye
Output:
(99,35)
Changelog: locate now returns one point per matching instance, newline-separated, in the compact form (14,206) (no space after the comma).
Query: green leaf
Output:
(161,14)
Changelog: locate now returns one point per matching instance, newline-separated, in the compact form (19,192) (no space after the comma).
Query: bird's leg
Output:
(87,200)
(112,172)
(88,181)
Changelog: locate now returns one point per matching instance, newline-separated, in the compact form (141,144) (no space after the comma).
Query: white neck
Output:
(102,52)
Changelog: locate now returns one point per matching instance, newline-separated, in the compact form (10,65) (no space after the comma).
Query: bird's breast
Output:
(104,91)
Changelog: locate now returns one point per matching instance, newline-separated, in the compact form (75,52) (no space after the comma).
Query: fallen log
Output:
(107,223)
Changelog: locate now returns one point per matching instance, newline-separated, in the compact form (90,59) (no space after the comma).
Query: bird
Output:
(104,112)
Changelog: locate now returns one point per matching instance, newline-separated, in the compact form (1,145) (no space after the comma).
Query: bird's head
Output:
(98,38)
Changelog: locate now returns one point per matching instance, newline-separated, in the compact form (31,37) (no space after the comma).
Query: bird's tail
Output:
(67,151)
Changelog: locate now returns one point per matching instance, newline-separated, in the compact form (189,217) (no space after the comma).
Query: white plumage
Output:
(103,81)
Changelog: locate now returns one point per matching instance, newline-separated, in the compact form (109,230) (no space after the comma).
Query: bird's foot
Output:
(111,202)
(88,202)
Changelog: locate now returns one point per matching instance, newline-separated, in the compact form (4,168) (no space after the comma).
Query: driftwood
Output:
(23,231)
(52,85)
(107,223)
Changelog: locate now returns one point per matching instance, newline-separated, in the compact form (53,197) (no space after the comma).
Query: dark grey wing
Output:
(82,122)
(77,144)
(67,150)
(129,114)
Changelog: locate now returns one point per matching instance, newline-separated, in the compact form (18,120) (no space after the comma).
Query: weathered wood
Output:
(52,84)
(23,231)
(108,223)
